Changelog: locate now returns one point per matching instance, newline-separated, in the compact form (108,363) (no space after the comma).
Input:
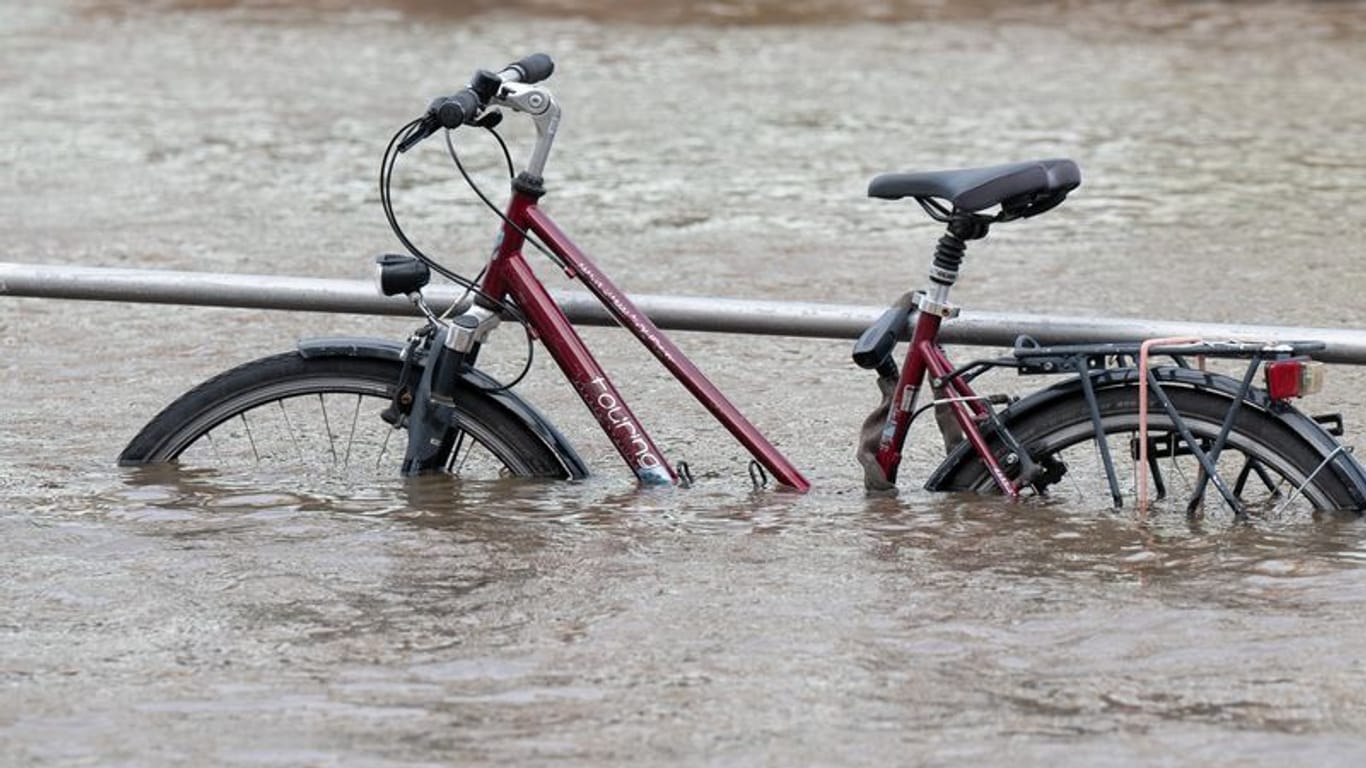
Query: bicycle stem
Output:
(544,111)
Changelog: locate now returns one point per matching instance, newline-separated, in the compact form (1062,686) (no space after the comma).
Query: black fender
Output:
(385,349)
(1344,464)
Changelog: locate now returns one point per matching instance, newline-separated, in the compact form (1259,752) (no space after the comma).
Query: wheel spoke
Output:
(247,426)
(327,429)
(351,438)
(457,462)
(289,430)
(384,446)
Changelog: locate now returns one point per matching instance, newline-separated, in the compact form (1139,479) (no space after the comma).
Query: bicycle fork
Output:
(433,424)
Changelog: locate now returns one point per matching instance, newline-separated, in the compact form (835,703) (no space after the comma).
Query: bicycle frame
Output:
(925,356)
(509,275)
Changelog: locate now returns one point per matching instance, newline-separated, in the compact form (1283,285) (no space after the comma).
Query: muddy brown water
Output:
(711,150)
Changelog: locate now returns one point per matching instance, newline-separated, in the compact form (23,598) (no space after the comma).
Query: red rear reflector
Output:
(1295,377)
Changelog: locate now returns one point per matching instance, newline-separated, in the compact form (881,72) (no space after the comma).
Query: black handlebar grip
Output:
(533,68)
(453,111)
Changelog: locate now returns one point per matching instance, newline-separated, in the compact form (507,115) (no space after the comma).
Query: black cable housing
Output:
(386,201)
(455,157)
(471,285)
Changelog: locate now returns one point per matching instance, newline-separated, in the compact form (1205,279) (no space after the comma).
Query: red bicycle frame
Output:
(509,275)
(926,356)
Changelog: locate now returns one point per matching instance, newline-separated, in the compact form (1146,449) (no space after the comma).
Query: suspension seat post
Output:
(948,257)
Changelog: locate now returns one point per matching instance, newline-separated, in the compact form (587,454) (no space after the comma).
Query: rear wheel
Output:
(322,414)
(1271,468)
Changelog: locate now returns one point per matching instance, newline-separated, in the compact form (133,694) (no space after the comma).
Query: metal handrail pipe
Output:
(685,313)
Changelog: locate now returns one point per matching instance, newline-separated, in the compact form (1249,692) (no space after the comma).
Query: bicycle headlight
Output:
(397,273)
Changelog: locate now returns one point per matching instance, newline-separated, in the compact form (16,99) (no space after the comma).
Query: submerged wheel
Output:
(322,414)
(1263,461)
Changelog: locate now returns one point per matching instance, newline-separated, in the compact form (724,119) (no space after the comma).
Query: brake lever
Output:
(489,119)
(424,129)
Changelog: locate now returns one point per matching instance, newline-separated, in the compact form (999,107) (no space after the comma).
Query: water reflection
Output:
(1041,540)
(1030,538)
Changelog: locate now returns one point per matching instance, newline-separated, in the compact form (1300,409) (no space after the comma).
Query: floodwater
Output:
(709,149)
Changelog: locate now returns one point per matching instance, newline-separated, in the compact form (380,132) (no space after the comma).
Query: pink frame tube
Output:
(510,275)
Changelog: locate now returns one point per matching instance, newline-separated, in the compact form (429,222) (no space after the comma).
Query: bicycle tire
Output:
(224,409)
(1060,431)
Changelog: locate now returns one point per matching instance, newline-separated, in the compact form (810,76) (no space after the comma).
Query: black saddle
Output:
(1021,189)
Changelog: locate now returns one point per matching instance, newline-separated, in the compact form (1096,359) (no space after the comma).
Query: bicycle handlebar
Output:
(529,69)
(453,111)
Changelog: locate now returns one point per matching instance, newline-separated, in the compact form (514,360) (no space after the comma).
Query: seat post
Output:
(948,254)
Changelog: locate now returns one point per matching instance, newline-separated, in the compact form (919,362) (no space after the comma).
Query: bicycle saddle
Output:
(1021,189)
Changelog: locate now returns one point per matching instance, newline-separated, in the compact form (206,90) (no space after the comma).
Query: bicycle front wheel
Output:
(322,414)
(1268,466)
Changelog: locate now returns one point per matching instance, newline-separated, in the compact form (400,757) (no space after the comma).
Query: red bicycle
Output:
(1088,435)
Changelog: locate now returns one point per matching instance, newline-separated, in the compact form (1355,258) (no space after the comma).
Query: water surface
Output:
(153,619)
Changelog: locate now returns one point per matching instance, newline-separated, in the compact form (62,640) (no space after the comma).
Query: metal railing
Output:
(687,313)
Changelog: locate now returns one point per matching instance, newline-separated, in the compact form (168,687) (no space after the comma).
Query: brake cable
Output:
(471,285)
(386,201)
(507,155)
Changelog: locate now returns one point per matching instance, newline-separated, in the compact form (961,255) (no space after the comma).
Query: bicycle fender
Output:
(514,405)
(1344,464)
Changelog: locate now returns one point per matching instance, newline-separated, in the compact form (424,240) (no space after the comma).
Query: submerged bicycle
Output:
(1117,426)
